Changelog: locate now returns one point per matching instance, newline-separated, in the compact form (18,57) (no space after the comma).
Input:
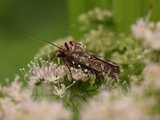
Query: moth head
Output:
(60,53)
(82,46)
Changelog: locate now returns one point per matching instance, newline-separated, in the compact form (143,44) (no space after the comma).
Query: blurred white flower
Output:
(7,109)
(32,110)
(15,104)
(95,16)
(112,106)
(138,29)
(151,76)
(15,92)
(42,110)
(148,31)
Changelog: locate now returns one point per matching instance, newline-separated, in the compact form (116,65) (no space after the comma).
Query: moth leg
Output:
(98,77)
(69,69)
(53,57)
(70,73)
(115,77)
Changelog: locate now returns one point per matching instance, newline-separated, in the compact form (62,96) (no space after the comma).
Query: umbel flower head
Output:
(47,72)
(94,17)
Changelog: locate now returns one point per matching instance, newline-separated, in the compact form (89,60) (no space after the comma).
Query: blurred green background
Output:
(51,19)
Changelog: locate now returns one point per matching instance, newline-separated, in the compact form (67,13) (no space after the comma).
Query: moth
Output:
(73,54)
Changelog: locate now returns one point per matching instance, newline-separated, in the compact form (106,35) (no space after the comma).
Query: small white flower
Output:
(60,89)
(79,74)
(53,79)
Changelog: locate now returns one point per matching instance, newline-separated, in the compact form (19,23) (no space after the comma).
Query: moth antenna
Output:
(46,42)
(51,43)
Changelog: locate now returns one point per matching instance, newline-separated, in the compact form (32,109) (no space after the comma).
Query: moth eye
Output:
(60,54)
(71,42)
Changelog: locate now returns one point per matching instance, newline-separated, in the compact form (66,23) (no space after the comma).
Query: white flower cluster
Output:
(101,38)
(46,72)
(79,74)
(96,15)
(148,31)
(17,104)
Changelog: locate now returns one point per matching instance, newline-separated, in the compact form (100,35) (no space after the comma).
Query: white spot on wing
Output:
(85,70)
(79,66)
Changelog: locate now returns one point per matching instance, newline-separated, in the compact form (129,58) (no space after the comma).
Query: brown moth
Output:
(74,55)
